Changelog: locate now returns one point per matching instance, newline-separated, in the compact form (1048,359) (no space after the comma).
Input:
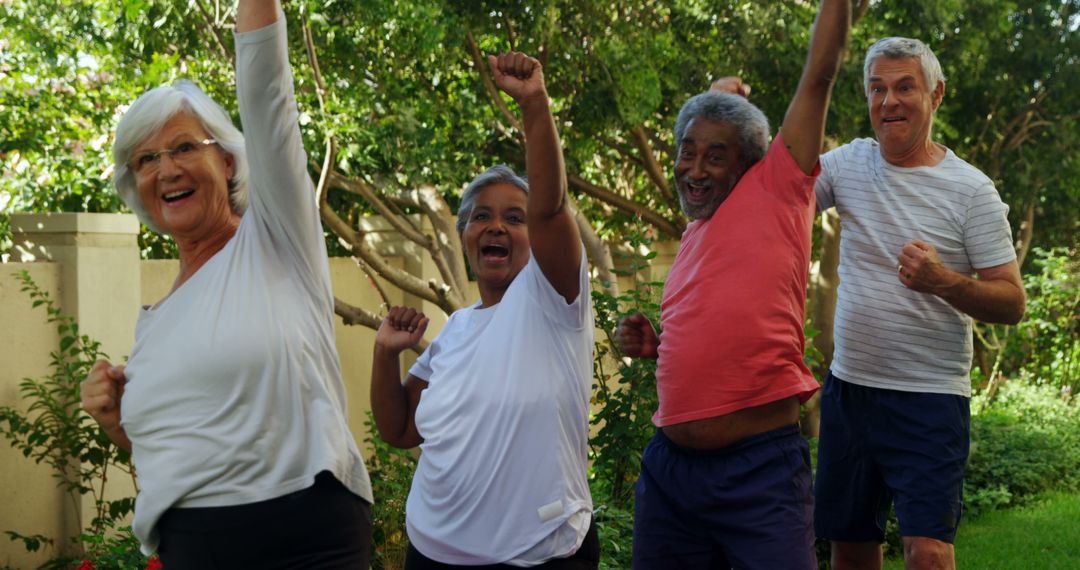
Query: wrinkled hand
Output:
(731,84)
(520,76)
(101,392)
(402,328)
(920,269)
(636,337)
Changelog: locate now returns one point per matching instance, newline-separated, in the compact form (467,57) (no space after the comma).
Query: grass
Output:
(1045,533)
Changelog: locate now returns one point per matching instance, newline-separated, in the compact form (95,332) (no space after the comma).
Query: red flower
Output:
(86,565)
(154,563)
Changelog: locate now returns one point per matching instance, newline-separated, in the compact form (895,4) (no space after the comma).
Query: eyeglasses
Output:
(183,152)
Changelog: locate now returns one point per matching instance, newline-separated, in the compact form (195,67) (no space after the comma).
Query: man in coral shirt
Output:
(726,479)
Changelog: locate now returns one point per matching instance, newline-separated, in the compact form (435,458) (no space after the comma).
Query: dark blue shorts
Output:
(882,446)
(748,505)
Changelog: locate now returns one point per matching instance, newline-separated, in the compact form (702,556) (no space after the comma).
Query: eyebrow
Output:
(479,207)
(688,140)
(879,79)
(178,138)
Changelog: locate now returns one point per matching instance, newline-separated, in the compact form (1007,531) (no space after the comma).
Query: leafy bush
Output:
(391,470)
(1025,443)
(1044,348)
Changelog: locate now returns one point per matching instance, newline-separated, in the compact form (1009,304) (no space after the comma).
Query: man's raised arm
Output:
(804,124)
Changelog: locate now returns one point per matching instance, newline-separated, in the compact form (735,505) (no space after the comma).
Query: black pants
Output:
(324,526)
(586,558)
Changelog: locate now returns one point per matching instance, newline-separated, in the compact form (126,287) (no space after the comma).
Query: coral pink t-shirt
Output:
(733,307)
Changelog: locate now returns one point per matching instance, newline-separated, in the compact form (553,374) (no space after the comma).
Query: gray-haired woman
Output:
(499,402)
(232,401)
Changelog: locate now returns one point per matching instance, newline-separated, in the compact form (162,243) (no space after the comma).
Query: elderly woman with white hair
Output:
(232,401)
(499,402)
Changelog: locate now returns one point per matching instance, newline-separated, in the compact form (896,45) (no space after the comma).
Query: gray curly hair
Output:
(751,123)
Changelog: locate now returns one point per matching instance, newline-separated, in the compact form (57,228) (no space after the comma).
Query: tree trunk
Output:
(823,308)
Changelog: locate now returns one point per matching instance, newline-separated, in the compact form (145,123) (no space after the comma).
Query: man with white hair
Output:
(725,481)
(917,223)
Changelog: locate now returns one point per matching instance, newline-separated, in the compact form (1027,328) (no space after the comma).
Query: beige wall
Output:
(30,502)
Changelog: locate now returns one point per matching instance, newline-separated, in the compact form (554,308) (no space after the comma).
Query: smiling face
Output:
(496,239)
(902,109)
(707,167)
(188,198)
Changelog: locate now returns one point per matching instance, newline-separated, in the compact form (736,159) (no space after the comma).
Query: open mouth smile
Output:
(494,253)
(177,195)
(697,192)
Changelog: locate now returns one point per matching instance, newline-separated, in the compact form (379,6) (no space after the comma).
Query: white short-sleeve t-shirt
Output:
(502,473)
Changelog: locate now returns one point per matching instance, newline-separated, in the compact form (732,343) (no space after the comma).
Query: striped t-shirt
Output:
(886,335)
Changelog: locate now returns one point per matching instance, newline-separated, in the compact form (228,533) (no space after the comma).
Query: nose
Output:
(166,166)
(696,169)
(887,101)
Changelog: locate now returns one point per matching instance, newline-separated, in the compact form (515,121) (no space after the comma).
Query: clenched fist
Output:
(636,337)
(520,76)
(100,395)
(402,328)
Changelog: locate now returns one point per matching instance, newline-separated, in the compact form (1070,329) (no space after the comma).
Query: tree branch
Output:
(449,271)
(652,167)
(360,187)
(309,44)
(448,243)
(218,41)
(1027,229)
(489,85)
(405,281)
(626,205)
(322,189)
(353,315)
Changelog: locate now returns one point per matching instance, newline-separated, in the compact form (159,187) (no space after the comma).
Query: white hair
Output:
(149,113)
(904,48)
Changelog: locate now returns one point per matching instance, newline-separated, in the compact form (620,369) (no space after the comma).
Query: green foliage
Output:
(115,549)
(391,470)
(54,431)
(1049,336)
(624,392)
(407,107)
(1025,443)
(1044,348)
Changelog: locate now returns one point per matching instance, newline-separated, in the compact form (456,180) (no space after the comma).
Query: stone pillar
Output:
(98,255)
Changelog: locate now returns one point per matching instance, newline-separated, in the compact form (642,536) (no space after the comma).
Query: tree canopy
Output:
(397,107)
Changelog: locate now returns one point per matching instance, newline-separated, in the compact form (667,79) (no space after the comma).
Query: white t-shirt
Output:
(887,335)
(505,422)
(234,392)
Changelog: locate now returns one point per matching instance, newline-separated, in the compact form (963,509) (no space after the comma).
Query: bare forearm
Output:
(804,124)
(830,37)
(255,14)
(989,301)
(389,400)
(118,436)
(543,159)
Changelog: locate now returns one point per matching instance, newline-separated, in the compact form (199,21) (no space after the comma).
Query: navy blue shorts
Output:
(748,505)
(882,446)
